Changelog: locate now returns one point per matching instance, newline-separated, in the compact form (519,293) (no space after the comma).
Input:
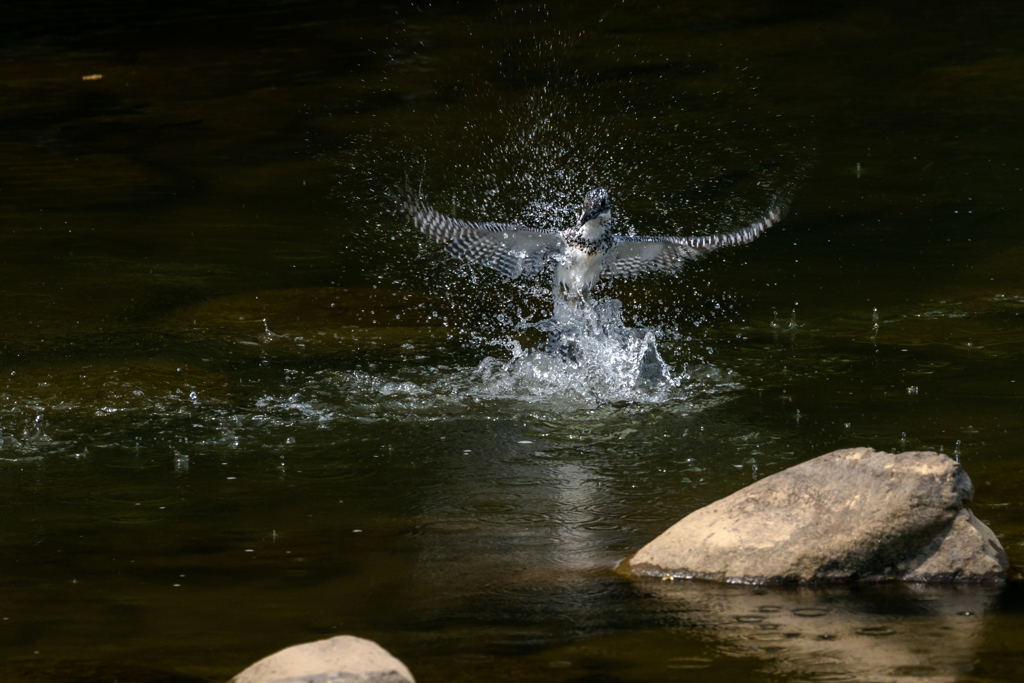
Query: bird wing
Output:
(510,249)
(631,256)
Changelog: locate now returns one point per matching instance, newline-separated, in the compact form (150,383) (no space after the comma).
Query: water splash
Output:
(524,147)
(550,133)
(592,361)
(591,356)
(23,434)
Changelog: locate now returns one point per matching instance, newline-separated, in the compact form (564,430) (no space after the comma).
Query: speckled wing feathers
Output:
(512,250)
(631,256)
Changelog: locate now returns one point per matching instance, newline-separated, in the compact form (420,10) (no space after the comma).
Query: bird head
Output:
(596,205)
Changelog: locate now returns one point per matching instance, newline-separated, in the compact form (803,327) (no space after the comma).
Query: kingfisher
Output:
(583,254)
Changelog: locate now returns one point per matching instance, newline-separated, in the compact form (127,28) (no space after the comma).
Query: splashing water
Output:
(592,360)
(542,144)
(549,134)
(591,356)
(598,371)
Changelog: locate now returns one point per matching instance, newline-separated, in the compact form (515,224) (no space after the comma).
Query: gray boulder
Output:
(342,659)
(855,514)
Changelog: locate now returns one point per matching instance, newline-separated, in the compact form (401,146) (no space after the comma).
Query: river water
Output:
(244,403)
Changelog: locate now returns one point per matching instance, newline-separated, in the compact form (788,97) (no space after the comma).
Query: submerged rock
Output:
(855,514)
(342,659)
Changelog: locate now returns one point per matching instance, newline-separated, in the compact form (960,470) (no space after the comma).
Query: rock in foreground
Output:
(855,514)
(342,659)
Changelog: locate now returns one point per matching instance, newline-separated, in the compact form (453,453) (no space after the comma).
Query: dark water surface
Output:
(244,404)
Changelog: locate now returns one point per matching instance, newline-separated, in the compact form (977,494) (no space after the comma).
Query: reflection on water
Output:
(841,633)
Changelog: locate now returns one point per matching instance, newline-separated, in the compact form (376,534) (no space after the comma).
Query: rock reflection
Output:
(878,633)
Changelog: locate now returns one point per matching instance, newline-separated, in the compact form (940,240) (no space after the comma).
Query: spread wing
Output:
(635,255)
(510,249)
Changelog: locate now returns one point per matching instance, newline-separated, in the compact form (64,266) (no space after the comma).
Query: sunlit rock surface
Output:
(854,514)
(342,659)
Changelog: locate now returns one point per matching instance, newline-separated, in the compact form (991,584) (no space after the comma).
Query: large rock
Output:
(342,659)
(855,514)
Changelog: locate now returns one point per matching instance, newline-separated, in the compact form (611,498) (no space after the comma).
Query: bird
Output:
(583,254)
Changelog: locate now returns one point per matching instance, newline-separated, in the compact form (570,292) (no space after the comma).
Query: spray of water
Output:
(591,356)
(524,148)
